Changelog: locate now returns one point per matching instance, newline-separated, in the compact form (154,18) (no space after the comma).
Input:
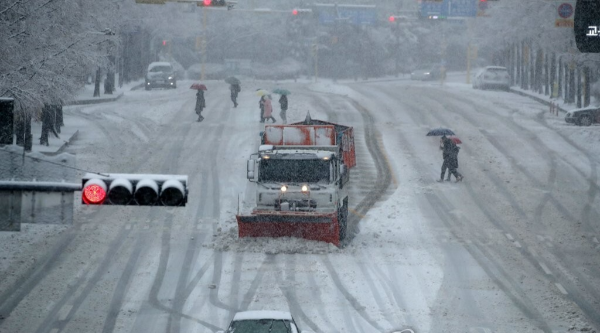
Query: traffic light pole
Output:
(203,68)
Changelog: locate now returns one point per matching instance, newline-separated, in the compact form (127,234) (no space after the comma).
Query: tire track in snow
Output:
(359,308)
(390,283)
(286,287)
(249,295)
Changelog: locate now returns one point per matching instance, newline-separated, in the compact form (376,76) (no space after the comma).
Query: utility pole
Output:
(203,69)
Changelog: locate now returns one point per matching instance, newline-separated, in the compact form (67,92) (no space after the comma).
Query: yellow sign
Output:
(564,23)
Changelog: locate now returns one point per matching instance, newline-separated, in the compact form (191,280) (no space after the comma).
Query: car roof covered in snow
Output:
(495,67)
(587,108)
(263,314)
(159,63)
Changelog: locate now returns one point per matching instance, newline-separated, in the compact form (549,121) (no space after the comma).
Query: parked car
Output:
(492,77)
(432,72)
(263,322)
(584,116)
(160,74)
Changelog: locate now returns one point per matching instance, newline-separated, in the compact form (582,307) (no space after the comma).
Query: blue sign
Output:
(565,10)
(449,8)
(431,8)
(353,14)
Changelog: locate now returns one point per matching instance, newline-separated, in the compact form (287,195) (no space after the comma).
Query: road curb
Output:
(94,101)
(537,99)
(64,145)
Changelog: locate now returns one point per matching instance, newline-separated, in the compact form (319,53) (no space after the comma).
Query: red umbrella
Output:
(198,86)
(455,140)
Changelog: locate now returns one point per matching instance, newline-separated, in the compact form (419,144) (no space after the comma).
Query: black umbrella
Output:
(232,80)
(440,132)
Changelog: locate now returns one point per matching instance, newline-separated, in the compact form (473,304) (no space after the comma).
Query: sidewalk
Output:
(70,130)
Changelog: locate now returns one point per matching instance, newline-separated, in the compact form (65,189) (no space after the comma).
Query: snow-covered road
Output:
(513,248)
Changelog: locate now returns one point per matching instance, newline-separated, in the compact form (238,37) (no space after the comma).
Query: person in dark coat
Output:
(283,102)
(450,154)
(200,104)
(235,89)
(48,123)
(261,105)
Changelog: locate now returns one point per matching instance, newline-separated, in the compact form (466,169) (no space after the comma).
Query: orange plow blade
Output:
(313,226)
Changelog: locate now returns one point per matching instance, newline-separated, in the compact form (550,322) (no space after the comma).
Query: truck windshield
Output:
(294,171)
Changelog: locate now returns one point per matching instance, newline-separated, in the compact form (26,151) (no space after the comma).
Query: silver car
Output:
(160,74)
(492,77)
(432,72)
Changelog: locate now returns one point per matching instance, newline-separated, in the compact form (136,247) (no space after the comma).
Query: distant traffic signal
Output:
(301,11)
(212,3)
(134,190)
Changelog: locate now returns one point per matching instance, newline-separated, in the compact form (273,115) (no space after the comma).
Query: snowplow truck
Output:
(301,171)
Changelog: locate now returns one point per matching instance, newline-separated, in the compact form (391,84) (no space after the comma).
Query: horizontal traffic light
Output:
(212,3)
(134,190)
(301,11)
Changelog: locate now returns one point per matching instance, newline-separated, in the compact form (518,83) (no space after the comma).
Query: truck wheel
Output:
(343,220)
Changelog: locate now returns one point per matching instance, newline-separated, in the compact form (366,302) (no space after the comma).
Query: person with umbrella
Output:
(200,102)
(261,102)
(450,155)
(235,88)
(283,102)
(267,108)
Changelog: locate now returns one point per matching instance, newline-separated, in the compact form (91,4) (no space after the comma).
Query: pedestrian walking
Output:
(261,105)
(235,89)
(268,109)
(450,155)
(283,102)
(200,104)
(48,123)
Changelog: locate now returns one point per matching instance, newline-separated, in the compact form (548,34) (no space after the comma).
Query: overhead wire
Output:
(55,163)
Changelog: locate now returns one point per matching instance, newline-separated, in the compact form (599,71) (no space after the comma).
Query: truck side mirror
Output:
(250,170)
(343,175)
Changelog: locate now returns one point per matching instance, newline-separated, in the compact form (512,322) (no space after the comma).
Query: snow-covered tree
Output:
(48,45)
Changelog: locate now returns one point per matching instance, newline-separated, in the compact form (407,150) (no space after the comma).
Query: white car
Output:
(263,322)
(492,77)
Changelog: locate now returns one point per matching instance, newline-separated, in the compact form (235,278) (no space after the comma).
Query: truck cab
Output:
(298,179)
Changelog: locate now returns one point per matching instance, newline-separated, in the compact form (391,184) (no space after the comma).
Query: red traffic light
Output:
(164,43)
(392,18)
(94,192)
(295,12)
(207,2)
